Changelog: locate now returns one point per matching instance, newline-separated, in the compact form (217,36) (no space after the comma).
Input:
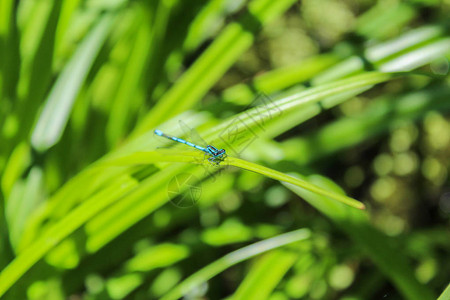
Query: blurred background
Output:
(86,81)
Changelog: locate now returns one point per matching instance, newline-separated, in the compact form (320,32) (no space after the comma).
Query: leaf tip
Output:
(361,206)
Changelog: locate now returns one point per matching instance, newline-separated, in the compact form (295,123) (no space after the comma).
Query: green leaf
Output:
(120,287)
(292,180)
(37,46)
(279,79)
(25,197)
(194,157)
(57,108)
(17,163)
(121,110)
(231,231)
(48,240)
(9,53)
(445,294)
(233,258)
(385,19)
(391,56)
(264,276)
(157,256)
(254,120)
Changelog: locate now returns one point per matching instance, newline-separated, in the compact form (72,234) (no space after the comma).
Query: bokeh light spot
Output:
(354,176)
(383,188)
(434,171)
(405,163)
(383,164)
(341,277)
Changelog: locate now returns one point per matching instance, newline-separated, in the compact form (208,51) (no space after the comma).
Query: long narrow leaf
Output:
(193,157)
(233,258)
(263,278)
(445,294)
(292,180)
(61,230)
(57,108)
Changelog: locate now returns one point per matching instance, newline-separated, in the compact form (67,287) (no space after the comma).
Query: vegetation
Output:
(333,113)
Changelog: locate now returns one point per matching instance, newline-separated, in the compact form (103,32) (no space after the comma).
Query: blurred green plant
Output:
(84,201)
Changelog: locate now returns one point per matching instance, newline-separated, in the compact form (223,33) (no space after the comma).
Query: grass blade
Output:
(47,241)
(194,157)
(445,294)
(265,275)
(292,180)
(233,258)
(57,108)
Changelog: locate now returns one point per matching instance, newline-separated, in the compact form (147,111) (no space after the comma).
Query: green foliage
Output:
(94,205)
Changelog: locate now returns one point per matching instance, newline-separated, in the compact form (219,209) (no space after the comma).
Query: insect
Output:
(216,155)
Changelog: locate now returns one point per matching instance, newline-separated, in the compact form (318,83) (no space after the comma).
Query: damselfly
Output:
(216,155)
